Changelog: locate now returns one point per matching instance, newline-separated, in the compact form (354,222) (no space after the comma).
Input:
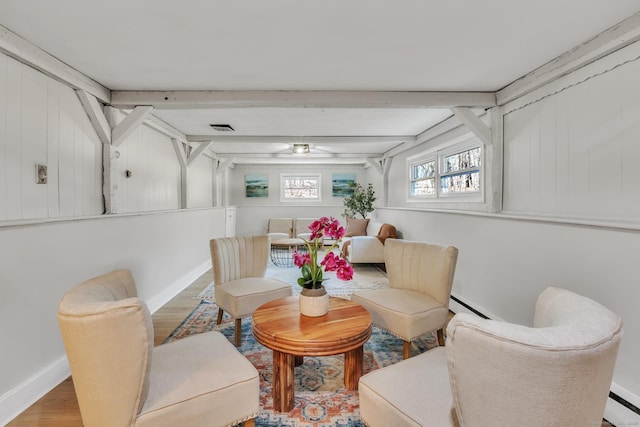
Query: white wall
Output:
(166,251)
(254,213)
(53,237)
(200,179)
(570,161)
(576,153)
(42,122)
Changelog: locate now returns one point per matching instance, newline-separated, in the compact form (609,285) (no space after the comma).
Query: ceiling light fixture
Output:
(301,149)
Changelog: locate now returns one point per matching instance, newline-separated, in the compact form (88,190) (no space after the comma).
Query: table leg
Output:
(283,381)
(353,365)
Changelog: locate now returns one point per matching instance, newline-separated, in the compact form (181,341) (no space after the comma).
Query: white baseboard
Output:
(618,414)
(174,289)
(459,308)
(17,400)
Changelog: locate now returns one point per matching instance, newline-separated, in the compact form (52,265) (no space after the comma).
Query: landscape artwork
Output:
(342,184)
(256,185)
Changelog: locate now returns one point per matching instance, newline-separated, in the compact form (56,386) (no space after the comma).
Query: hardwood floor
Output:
(59,407)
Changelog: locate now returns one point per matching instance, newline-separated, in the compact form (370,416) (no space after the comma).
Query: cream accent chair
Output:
(122,380)
(417,301)
(280,228)
(491,373)
(239,265)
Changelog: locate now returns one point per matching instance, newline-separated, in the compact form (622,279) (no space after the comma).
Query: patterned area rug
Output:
(365,277)
(321,399)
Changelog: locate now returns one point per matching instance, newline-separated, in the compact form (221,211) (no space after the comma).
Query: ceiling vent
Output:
(222,127)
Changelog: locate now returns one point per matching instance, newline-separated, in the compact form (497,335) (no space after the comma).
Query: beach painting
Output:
(256,185)
(342,184)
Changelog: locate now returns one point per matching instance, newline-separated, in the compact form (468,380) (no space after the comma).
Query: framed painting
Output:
(342,184)
(256,185)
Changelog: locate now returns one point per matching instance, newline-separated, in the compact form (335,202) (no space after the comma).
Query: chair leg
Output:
(238,331)
(440,333)
(220,313)
(406,349)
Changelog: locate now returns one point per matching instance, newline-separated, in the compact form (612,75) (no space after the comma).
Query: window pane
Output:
(424,170)
(301,188)
(464,160)
(423,187)
(460,183)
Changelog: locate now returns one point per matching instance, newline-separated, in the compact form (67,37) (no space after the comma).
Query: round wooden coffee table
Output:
(278,325)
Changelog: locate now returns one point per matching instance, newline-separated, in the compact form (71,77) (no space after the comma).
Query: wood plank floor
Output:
(59,407)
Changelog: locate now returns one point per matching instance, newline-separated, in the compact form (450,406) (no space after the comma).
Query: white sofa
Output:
(365,249)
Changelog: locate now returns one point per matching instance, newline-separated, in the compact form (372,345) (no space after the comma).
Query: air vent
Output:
(222,127)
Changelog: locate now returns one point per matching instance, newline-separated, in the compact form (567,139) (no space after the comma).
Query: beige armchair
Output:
(239,265)
(280,228)
(556,373)
(417,301)
(122,380)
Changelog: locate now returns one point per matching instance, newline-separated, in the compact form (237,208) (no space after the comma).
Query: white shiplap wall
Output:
(576,154)
(200,178)
(42,122)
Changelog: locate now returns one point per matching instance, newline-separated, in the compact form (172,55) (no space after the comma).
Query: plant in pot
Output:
(360,202)
(314,300)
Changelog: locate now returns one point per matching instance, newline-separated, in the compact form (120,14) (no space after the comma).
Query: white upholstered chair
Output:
(491,373)
(122,380)
(280,228)
(239,265)
(417,300)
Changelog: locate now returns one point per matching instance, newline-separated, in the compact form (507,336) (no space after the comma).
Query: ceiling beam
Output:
(196,153)
(96,115)
(361,156)
(474,124)
(18,48)
(299,140)
(611,40)
(129,124)
(301,99)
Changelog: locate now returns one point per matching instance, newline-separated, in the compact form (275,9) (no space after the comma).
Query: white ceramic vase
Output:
(314,302)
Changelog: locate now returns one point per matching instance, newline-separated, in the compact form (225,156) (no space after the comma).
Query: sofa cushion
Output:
(356,227)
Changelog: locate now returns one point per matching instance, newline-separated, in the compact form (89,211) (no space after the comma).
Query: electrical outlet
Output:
(41,174)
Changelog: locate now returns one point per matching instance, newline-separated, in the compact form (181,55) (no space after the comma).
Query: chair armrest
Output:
(365,249)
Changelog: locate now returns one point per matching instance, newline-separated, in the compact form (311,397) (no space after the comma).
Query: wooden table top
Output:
(279,326)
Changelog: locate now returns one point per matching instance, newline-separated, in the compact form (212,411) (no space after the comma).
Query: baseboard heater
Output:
(612,395)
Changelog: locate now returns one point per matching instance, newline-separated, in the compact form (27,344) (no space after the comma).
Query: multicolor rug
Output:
(365,277)
(321,399)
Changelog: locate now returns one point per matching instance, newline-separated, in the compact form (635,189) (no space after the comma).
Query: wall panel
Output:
(200,182)
(43,122)
(572,154)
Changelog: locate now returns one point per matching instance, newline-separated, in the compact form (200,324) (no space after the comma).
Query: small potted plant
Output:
(360,202)
(314,300)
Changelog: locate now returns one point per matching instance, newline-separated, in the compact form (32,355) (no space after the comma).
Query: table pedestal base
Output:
(284,381)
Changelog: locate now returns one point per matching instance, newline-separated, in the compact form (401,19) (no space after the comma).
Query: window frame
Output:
(439,154)
(316,176)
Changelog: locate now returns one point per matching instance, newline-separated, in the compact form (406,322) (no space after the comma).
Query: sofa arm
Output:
(365,249)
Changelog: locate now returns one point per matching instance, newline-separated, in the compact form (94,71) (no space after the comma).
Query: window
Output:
(300,187)
(446,172)
(460,172)
(423,178)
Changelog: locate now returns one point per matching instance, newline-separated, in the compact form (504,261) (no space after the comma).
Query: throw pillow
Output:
(356,227)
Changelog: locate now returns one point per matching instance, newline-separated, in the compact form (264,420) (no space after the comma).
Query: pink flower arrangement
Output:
(308,262)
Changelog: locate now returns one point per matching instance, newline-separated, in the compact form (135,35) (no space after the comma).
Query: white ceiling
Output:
(304,45)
